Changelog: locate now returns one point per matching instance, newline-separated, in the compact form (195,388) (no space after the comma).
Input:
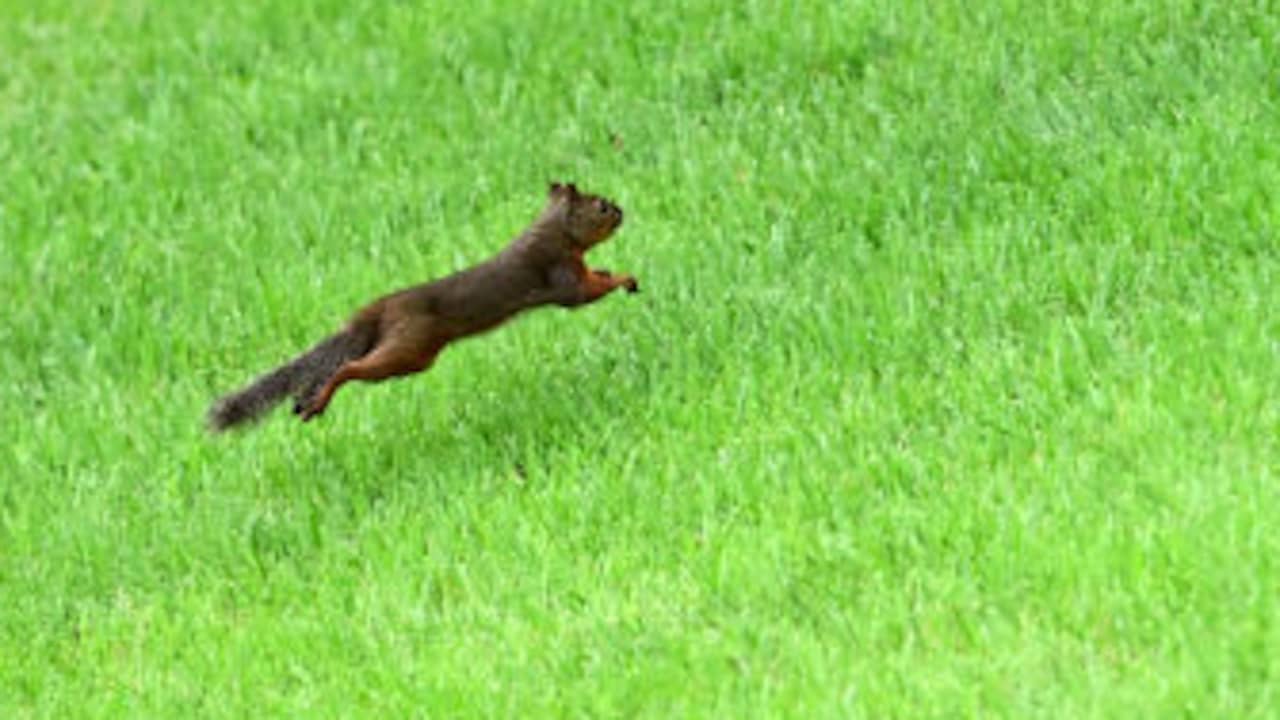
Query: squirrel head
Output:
(587,219)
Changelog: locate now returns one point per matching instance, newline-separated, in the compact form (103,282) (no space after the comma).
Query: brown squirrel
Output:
(402,333)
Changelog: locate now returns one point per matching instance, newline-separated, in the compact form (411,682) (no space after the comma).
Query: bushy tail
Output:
(300,377)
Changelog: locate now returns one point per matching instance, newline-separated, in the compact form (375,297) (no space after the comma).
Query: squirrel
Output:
(402,333)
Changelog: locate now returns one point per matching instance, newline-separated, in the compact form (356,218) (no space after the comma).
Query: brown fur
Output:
(402,333)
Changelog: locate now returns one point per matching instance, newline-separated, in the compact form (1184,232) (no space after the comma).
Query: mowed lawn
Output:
(951,391)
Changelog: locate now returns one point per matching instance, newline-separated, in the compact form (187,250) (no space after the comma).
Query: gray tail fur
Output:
(301,377)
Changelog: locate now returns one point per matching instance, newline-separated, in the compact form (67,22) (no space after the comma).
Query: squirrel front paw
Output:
(630,284)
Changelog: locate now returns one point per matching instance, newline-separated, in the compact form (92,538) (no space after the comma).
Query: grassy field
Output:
(952,391)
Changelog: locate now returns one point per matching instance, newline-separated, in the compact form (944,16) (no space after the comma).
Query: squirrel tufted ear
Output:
(557,188)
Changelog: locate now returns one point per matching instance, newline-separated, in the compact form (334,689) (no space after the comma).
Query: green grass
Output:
(952,390)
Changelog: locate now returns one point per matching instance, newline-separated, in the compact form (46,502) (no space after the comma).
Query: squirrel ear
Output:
(560,189)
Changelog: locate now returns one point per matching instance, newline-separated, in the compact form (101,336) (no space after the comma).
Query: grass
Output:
(952,390)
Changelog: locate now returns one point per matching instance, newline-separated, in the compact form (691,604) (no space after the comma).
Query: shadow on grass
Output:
(534,414)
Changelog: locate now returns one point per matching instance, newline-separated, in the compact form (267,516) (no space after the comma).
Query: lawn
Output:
(952,390)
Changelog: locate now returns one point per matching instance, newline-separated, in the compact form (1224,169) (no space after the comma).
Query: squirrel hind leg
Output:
(345,347)
(386,361)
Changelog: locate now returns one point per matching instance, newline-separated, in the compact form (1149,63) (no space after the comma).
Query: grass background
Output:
(952,390)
